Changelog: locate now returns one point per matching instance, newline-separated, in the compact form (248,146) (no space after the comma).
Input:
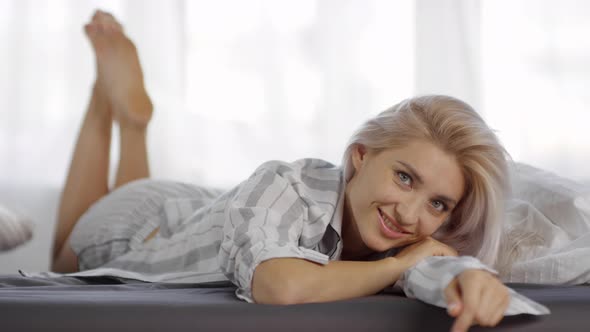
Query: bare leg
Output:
(118,93)
(87,179)
(133,163)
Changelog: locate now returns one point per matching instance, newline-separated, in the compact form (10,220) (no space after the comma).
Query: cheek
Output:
(371,190)
(386,192)
(362,186)
(360,197)
(430,224)
(394,194)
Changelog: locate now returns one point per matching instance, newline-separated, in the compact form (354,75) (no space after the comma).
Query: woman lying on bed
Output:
(426,177)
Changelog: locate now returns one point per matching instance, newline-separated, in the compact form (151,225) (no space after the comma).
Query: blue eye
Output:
(440,206)
(405,178)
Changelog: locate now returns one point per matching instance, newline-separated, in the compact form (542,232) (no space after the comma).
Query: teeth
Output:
(389,224)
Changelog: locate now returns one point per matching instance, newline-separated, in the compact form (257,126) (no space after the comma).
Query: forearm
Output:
(291,280)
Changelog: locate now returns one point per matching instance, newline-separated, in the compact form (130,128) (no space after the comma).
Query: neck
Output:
(353,246)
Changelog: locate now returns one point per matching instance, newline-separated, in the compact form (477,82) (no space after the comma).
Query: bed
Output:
(108,304)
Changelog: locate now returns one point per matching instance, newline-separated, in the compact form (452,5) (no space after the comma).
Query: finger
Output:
(464,321)
(490,300)
(501,309)
(471,293)
(494,301)
(497,316)
(453,298)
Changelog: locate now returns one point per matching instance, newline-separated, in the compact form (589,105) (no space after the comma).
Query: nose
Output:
(407,212)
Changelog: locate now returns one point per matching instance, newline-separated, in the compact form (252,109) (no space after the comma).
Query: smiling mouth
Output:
(390,224)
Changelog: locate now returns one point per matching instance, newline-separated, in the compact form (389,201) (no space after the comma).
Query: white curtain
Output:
(448,59)
(535,79)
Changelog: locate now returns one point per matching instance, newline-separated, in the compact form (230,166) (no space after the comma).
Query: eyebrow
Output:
(418,178)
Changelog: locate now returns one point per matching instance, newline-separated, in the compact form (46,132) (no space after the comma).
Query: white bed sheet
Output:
(547,230)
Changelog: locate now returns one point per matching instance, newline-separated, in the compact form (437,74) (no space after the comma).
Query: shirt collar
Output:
(331,243)
(336,221)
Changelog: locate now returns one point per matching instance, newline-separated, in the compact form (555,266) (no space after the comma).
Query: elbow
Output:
(291,292)
(284,292)
(285,281)
(270,285)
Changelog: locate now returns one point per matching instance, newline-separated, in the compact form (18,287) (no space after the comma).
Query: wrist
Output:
(396,268)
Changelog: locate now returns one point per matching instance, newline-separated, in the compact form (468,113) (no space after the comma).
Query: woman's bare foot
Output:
(119,74)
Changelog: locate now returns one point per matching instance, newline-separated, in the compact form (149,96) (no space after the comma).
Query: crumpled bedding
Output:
(547,229)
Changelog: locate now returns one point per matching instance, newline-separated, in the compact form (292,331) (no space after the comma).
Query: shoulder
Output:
(311,179)
(302,169)
(299,166)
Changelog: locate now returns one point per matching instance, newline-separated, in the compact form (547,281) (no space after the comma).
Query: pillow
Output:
(15,229)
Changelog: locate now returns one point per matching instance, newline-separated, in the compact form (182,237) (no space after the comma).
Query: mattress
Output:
(110,304)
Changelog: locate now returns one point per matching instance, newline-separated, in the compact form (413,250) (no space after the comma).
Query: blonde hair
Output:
(475,225)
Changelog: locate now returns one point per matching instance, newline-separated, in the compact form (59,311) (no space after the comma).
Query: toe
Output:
(100,16)
(117,26)
(108,16)
(92,31)
(103,26)
(97,14)
(104,16)
(97,38)
(107,22)
(89,29)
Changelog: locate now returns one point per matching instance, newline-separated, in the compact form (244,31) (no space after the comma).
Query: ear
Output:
(359,154)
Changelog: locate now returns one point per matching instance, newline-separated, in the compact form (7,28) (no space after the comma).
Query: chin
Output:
(381,243)
(378,243)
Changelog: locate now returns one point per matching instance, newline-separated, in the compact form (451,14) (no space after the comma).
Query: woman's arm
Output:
(294,280)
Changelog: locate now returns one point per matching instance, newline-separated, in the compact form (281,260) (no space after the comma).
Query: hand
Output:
(427,247)
(476,297)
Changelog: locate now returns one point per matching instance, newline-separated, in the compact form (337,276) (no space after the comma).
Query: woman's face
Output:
(399,196)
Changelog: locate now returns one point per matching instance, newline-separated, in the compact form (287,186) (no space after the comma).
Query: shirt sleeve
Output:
(428,280)
(263,220)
